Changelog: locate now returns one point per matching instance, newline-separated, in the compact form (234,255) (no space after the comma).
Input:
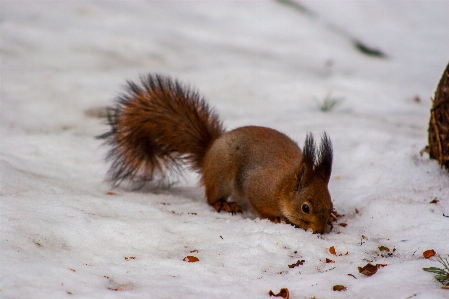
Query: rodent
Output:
(160,124)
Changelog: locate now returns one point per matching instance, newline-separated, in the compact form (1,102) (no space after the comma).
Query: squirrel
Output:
(160,124)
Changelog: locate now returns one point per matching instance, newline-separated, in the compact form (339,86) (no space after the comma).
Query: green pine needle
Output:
(441,274)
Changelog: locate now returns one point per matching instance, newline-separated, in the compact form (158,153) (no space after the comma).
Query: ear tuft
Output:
(325,156)
(305,172)
(308,155)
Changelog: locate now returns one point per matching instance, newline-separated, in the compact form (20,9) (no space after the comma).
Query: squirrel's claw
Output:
(230,207)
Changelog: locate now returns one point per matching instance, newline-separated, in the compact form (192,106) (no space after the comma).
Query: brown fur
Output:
(161,124)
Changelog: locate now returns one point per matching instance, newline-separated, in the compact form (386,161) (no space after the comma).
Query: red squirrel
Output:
(161,124)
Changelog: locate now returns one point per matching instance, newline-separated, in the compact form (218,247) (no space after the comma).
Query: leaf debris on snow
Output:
(386,252)
(428,253)
(191,259)
(127,258)
(284,293)
(339,288)
(370,269)
(334,252)
(299,262)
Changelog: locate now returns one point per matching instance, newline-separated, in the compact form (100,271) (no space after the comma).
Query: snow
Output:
(261,63)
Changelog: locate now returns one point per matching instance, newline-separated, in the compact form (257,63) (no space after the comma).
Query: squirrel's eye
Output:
(305,208)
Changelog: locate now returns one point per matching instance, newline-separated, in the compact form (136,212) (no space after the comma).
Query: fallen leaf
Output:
(299,262)
(356,211)
(344,224)
(329,261)
(332,250)
(339,287)
(434,200)
(445,287)
(191,259)
(384,248)
(282,293)
(428,253)
(370,269)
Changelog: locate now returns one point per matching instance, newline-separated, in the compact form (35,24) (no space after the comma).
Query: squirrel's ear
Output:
(325,155)
(305,172)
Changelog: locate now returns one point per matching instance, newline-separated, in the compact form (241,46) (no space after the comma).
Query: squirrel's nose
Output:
(319,229)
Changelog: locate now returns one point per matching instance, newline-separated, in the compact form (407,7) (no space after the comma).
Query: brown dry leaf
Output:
(332,250)
(284,293)
(428,253)
(356,211)
(384,248)
(191,259)
(299,262)
(344,224)
(445,287)
(370,269)
(434,200)
(329,261)
(339,287)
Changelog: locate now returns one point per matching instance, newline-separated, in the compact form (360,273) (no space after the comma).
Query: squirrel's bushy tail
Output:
(156,127)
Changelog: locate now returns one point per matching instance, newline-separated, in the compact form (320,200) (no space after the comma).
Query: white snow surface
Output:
(64,235)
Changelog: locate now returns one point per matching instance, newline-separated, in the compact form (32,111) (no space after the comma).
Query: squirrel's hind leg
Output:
(218,199)
(230,207)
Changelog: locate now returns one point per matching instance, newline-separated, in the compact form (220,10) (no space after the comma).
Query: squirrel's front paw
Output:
(230,207)
(333,218)
(280,219)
